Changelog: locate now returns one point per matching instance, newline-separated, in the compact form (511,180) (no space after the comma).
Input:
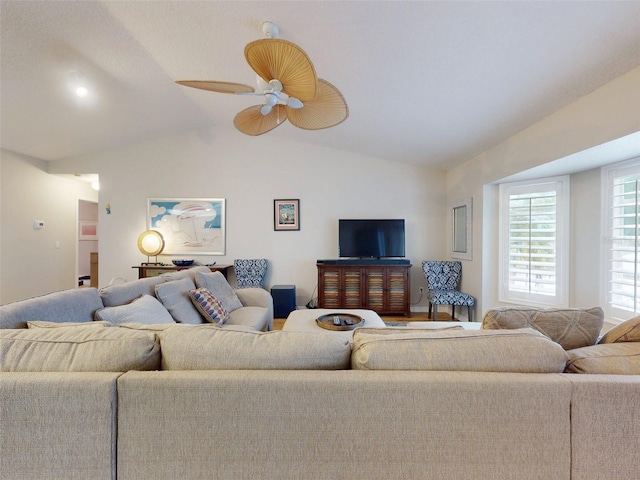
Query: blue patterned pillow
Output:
(209,306)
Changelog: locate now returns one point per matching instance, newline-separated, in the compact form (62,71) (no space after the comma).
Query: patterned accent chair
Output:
(250,273)
(443,281)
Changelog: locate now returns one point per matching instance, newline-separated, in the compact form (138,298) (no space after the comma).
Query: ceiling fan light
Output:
(266,109)
(294,103)
(276,85)
(270,29)
(270,99)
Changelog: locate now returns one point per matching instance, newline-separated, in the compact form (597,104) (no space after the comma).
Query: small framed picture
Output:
(286,214)
(87,230)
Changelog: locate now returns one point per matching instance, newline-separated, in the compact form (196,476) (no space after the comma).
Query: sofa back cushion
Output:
(72,349)
(628,331)
(217,284)
(42,324)
(519,351)
(570,327)
(121,294)
(186,273)
(75,305)
(610,359)
(124,293)
(146,309)
(209,347)
(175,297)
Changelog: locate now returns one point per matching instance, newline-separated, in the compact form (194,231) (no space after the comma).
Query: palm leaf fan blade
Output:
(251,121)
(214,86)
(285,61)
(328,109)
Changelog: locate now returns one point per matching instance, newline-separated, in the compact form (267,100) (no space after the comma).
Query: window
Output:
(621,227)
(534,241)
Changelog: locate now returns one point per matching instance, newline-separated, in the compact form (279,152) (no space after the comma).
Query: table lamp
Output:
(151,243)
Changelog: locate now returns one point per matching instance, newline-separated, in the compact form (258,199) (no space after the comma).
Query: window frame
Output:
(562,187)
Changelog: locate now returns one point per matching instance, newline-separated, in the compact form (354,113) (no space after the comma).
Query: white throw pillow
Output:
(145,309)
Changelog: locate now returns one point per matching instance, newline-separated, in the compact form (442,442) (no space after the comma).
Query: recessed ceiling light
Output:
(77,84)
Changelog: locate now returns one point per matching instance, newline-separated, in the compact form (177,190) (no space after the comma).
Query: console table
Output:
(381,288)
(145,271)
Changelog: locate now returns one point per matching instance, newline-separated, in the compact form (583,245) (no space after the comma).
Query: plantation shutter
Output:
(623,242)
(533,242)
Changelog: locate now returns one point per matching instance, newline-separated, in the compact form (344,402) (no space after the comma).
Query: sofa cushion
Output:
(121,294)
(209,306)
(174,296)
(213,348)
(146,309)
(611,358)
(70,349)
(74,305)
(519,350)
(186,273)
(570,327)
(256,318)
(42,324)
(628,331)
(217,284)
(151,327)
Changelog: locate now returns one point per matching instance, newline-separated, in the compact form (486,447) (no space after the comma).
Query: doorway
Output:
(87,259)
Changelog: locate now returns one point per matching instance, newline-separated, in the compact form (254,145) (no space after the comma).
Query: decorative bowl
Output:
(182,263)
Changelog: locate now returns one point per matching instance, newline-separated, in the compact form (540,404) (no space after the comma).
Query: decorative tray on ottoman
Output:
(339,321)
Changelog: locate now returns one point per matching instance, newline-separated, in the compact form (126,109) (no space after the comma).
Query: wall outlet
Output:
(38,224)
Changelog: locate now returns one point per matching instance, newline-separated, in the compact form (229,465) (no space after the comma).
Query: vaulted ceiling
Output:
(427,82)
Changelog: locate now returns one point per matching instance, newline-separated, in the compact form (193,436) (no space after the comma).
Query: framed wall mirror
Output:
(462,229)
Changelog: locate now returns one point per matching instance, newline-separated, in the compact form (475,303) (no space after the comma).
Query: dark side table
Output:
(284,300)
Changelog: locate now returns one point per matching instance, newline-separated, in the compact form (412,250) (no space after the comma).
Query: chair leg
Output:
(429,315)
(435,312)
(453,313)
(469,312)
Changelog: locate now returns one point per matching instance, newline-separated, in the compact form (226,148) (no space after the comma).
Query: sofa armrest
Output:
(257,297)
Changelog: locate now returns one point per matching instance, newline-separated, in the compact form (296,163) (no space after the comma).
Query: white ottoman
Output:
(305,320)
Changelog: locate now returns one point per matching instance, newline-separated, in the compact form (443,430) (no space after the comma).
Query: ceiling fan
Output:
(287,81)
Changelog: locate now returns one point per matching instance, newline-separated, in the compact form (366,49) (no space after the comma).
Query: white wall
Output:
(606,114)
(30,262)
(250,172)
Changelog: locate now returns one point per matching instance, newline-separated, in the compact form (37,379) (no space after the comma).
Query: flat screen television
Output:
(371,238)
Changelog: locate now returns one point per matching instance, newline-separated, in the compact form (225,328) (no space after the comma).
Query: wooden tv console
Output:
(382,287)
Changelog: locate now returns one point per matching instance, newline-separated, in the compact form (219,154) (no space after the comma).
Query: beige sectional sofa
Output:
(172,402)
(153,300)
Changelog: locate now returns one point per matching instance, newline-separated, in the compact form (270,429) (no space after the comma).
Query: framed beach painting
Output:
(286,214)
(193,226)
